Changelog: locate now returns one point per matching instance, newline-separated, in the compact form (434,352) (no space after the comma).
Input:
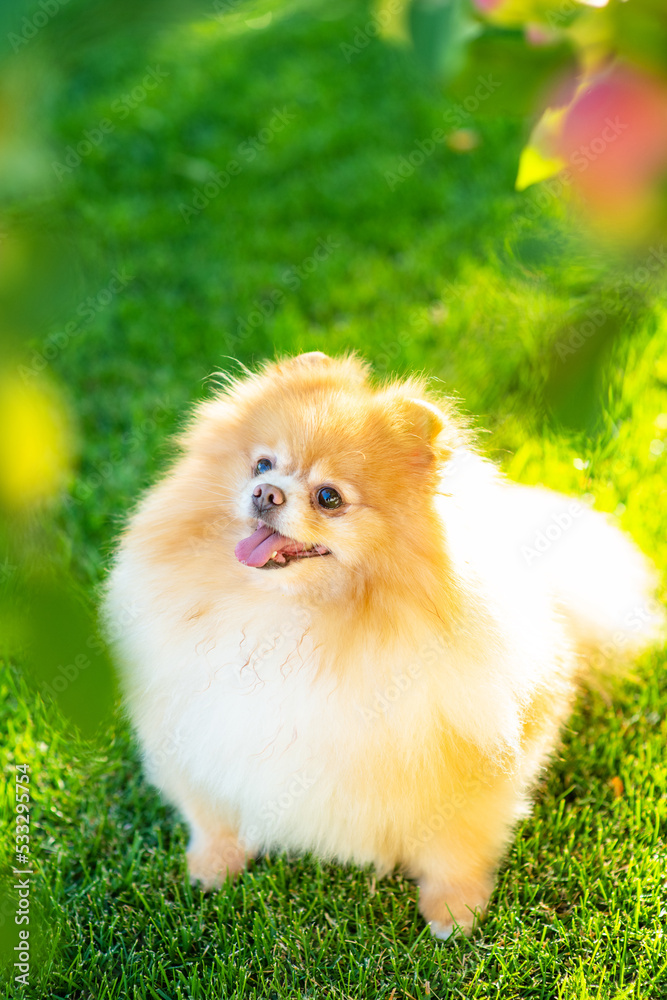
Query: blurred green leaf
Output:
(440,30)
(71,27)
(66,657)
(576,383)
(518,77)
(640,32)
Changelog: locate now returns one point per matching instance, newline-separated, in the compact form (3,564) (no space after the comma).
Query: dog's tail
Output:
(605,587)
(599,582)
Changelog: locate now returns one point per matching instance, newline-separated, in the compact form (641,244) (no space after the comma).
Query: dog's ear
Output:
(427,420)
(430,432)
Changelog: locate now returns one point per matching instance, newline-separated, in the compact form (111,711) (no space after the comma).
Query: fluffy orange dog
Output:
(350,635)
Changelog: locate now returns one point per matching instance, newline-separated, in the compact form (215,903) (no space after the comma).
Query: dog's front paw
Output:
(448,905)
(440,930)
(212,862)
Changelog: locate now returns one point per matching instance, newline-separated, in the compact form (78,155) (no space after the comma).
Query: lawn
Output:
(237,204)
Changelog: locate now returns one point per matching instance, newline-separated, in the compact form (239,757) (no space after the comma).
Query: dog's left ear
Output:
(427,424)
(427,419)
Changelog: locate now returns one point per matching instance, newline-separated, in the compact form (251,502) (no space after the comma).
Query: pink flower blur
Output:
(614,139)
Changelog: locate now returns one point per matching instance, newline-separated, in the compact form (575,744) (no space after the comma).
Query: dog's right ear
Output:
(431,430)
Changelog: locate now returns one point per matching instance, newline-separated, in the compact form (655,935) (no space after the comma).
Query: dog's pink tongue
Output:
(260,546)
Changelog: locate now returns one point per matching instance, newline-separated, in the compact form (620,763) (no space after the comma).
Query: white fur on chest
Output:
(285,750)
(297,756)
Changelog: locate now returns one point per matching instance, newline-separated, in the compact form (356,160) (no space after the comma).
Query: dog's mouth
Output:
(266,549)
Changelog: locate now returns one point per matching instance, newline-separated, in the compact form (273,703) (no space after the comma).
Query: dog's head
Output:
(321,473)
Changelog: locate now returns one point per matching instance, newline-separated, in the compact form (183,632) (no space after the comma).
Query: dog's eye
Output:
(329,498)
(264,465)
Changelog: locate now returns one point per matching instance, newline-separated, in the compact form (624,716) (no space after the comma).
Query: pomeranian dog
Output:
(342,631)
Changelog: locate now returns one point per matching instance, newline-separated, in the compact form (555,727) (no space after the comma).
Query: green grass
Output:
(451,273)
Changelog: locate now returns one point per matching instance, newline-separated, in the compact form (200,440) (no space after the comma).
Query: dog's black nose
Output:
(265,496)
